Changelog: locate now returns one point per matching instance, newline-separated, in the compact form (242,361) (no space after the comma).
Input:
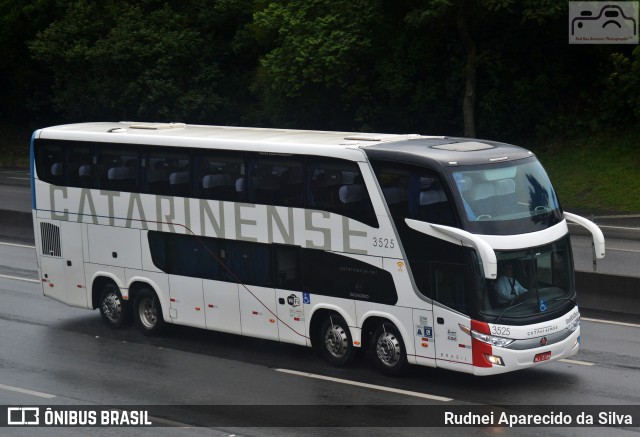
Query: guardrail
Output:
(612,293)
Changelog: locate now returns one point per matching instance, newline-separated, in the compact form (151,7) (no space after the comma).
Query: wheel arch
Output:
(319,313)
(98,281)
(138,283)
(373,319)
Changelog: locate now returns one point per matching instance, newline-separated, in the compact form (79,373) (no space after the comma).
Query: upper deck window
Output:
(414,192)
(506,198)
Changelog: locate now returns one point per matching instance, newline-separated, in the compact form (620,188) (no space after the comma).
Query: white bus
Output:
(435,251)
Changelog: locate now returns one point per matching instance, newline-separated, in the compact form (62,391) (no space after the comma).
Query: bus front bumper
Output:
(523,359)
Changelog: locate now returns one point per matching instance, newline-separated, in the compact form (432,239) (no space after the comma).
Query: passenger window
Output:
(79,167)
(249,262)
(50,164)
(218,177)
(167,173)
(277,181)
(450,285)
(287,264)
(346,278)
(337,186)
(118,169)
(414,192)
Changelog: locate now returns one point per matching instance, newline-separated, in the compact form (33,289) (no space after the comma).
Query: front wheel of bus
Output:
(148,312)
(389,353)
(335,341)
(113,309)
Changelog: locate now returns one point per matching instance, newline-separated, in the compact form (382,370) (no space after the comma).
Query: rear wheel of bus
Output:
(334,341)
(113,309)
(148,312)
(389,353)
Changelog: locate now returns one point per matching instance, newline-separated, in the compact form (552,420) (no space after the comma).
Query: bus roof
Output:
(410,147)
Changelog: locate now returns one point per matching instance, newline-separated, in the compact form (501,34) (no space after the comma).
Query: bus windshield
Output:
(506,198)
(531,282)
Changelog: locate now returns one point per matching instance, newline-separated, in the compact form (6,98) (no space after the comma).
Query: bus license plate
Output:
(544,356)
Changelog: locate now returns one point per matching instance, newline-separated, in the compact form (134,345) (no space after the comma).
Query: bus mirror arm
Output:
(596,233)
(458,236)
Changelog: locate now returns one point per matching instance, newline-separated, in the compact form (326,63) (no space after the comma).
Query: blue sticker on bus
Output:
(543,305)
(428,331)
(306,298)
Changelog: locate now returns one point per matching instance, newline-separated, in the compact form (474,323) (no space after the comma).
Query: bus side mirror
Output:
(598,243)
(458,236)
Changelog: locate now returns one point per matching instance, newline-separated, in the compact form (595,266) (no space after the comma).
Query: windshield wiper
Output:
(510,307)
(561,298)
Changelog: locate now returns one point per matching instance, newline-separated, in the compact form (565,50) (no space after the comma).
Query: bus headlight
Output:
(486,338)
(491,339)
(574,324)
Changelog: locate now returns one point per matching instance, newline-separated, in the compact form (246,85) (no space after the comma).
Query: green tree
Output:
(317,59)
(25,83)
(147,60)
(480,27)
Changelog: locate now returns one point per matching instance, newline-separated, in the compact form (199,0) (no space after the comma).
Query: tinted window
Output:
(223,260)
(337,186)
(250,262)
(50,163)
(79,168)
(184,255)
(167,172)
(277,181)
(117,169)
(414,192)
(287,267)
(450,286)
(220,176)
(344,277)
(279,266)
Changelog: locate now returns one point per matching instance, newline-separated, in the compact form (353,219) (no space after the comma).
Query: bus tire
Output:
(113,309)
(389,353)
(334,342)
(147,312)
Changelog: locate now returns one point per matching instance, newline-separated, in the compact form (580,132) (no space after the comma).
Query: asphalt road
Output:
(66,356)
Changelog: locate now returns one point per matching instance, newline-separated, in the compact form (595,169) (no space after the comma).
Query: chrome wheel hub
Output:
(111,306)
(336,341)
(147,313)
(388,349)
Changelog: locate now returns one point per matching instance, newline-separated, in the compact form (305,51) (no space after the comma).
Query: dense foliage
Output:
(493,68)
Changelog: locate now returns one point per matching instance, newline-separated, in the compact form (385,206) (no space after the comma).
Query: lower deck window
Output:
(277,266)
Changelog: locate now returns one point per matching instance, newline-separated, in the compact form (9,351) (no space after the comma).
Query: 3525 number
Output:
(387,243)
(501,331)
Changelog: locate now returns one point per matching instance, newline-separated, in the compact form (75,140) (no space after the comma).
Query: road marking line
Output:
(14,177)
(365,385)
(27,392)
(17,245)
(611,322)
(579,363)
(15,278)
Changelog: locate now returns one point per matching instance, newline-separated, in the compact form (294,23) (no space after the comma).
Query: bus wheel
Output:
(148,312)
(389,353)
(335,341)
(113,309)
